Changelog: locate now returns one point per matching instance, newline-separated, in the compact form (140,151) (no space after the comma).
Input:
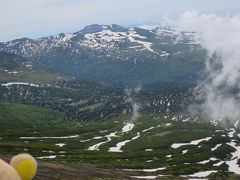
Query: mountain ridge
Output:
(90,29)
(115,54)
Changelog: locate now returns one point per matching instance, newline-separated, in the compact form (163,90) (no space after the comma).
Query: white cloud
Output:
(220,36)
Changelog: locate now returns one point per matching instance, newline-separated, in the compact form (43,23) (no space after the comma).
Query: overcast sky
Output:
(37,18)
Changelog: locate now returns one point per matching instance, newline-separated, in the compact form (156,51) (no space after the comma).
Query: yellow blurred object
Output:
(21,167)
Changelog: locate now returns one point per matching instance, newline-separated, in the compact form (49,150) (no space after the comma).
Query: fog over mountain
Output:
(120,101)
(220,36)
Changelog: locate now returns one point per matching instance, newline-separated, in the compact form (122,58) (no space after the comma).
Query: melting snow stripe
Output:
(96,146)
(217,146)
(145,170)
(119,145)
(148,129)
(19,83)
(60,137)
(47,157)
(144,177)
(195,142)
(201,174)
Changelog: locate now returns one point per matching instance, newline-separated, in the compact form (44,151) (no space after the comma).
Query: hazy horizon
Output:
(39,18)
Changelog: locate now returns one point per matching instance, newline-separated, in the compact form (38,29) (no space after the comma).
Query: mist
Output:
(219,35)
(135,105)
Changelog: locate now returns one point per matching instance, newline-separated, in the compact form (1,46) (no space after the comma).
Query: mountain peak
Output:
(93,28)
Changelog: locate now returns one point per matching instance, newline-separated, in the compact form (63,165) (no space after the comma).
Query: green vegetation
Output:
(19,120)
(62,118)
(15,68)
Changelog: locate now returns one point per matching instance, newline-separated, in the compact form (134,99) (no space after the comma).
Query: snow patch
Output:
(219,163)
(231,132)
(145,170)
(60,137)
(195,142)
(148,149)
(47,157)
(148,129)
(217,146)
(119,145)
(96,146)
(60,144)
(128,127)
(201,174)
(144,177)
(233,163)
(204,162)
(19,83)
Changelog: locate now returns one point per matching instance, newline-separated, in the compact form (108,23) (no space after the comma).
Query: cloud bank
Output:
(220,35)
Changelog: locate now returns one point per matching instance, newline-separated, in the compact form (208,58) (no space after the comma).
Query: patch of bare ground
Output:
(59,171)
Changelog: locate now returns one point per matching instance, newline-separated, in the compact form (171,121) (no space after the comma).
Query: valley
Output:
(157,145)
(109,102)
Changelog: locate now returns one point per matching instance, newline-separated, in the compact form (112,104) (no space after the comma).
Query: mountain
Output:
(130,133)
(116,55)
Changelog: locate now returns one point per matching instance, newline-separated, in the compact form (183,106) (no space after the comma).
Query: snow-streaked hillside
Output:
(101,38)
(116,55)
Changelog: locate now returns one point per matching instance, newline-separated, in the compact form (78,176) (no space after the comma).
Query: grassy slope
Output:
(32,76)
(35,74)
(21,120)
